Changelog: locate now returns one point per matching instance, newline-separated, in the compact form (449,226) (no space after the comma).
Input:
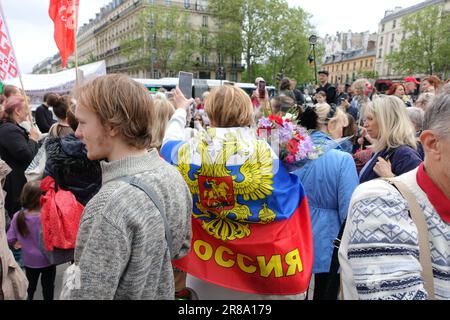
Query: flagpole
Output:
(18,68)
(75,14)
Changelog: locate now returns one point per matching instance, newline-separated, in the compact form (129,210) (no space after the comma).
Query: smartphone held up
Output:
(262,89)
(185,83)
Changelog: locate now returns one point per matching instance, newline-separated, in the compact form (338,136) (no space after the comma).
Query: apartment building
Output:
(391,34)
(101,38)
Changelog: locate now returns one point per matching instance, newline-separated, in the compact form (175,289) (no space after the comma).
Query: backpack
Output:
(60,220)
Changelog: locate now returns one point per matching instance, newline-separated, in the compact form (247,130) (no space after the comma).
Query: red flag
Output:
(64,14)
(8,61)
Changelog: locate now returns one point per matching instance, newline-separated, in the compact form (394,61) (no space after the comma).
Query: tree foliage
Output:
(165,40)
(272,37)
(426,47)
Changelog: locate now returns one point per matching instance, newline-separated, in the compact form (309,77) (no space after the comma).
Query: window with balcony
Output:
(204,40)
(233,76)
(234,61)
(204,58)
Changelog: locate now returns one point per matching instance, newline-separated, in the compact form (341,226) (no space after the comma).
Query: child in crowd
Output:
(24,233)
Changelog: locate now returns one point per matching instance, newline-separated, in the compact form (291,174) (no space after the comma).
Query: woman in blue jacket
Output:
(329,182)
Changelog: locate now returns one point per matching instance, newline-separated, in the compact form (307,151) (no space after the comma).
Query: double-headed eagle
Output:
(231,222)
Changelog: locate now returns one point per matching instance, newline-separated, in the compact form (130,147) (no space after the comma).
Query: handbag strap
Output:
(138,183)
(422,229)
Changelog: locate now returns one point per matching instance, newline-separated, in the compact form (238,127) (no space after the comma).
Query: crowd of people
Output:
(162,197)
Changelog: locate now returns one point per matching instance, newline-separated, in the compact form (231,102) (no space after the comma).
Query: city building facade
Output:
(346,41)
(346,67)
(391,34)
(101,38)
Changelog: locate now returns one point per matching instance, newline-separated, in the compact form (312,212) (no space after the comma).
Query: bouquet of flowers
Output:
(291,141)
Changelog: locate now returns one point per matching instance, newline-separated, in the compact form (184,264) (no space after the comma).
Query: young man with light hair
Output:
(379,252)
(140,219)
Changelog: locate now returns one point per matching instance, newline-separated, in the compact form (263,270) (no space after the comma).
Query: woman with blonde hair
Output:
(164,110)
(245,204)
(395,146)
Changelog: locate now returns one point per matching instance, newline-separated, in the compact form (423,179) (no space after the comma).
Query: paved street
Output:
(58,283)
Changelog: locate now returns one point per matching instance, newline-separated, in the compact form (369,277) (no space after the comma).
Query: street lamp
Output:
(313,41)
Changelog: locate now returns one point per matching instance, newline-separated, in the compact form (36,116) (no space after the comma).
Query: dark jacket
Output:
(299,98)
(403,159)
(17,150)
(68,164)
(330,91)
(44,118)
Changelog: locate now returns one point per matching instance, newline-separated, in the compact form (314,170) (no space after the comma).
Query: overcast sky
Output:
(31,29)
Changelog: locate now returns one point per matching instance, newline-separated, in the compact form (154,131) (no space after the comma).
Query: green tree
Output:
(288,46)
(244,22)
(165,40)
(272,37)
(90,59)
(368,74)
(426,46)
(227,37)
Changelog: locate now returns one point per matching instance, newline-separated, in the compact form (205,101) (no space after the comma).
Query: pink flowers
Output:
(294,144)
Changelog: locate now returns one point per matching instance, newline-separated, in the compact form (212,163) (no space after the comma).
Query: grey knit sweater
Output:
(121,248)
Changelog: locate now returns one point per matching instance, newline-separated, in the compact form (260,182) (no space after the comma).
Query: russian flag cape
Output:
(250,221)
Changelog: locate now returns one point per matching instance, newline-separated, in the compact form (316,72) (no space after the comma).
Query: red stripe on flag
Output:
(276,258)
(65,17)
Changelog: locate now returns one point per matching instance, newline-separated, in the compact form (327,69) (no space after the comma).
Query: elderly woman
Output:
(245,205)
(17,148)
(379,252)
(431,84)
(416,115)
(361,89)
(395,147)
(424,100)
(329,182)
